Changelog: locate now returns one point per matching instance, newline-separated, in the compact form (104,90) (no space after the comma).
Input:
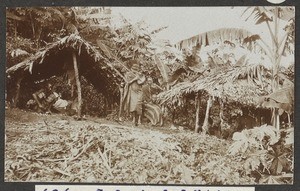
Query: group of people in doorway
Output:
(136,97)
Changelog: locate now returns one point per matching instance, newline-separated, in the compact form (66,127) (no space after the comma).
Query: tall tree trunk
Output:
(15,29)
(276,121)
(275,118)
(77,84)
(197,103)
(72,90)
(38,36)
(275,113)
(205,126)
(32,26)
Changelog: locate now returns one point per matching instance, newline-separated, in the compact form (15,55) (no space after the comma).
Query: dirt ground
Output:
(58,148)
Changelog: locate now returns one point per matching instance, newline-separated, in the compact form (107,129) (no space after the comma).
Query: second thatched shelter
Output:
(240,84)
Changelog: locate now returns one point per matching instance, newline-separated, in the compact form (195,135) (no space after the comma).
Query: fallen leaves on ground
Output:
(58,148)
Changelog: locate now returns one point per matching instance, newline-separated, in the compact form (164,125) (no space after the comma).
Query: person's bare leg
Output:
(135,118)
(139,119)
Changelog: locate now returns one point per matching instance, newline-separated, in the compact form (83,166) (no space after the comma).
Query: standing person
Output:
(132,95)
(151,110)
(149,89)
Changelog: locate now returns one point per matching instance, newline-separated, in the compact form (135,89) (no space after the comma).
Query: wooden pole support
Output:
(77,84)
(17,96)
(197,102)
(205,126)
(121,103)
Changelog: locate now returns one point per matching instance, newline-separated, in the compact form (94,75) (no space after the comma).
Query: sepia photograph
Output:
(150,95)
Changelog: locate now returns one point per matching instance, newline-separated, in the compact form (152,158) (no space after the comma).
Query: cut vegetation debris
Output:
(56,148)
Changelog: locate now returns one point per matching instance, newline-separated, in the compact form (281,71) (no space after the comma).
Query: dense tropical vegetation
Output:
(229,84)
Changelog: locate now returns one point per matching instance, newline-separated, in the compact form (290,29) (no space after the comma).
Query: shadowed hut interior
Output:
(60,59)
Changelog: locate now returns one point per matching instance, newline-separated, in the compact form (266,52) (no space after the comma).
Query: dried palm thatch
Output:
(242,84)
(56,60)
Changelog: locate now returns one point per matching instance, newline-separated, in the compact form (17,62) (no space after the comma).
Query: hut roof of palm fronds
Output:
(56,60)
(242,84)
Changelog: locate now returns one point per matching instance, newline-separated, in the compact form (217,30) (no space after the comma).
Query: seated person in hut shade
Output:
(48,100)
(44,98)
(60,105)
(132,101)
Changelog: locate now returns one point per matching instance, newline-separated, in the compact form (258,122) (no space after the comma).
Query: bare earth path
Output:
(58,148)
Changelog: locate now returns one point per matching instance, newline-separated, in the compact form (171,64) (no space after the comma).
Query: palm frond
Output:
(284,13)
(266,14)
(158,30)
(105,49)
(234,35)
(259,14)
(164,70)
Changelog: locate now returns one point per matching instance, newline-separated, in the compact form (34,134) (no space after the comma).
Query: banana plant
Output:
(273,18)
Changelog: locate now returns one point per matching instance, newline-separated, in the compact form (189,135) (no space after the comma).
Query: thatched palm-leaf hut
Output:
(72,56)
(241,84)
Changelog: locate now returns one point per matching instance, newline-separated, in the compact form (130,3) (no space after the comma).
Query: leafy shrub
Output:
(266,153)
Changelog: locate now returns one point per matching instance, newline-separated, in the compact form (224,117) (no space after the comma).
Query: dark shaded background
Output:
(28,3)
